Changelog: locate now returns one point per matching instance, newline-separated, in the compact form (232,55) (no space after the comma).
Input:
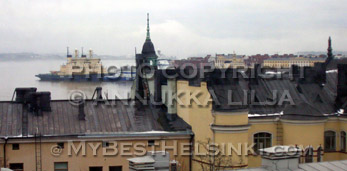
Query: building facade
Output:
(229,61)
(305,112)
(288,62)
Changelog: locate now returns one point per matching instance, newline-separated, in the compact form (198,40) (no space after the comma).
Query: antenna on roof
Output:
(148,34)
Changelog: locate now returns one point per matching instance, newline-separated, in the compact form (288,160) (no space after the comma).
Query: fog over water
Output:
(22,74)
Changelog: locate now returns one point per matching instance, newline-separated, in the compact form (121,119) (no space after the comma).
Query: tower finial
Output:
(148,35)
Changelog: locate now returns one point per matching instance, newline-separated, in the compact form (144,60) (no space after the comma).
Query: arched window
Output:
(309,155)
(262,140)
(343,141)
(329,141)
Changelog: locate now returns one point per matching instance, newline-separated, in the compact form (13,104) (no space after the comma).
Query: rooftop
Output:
(121,117)
(332,165)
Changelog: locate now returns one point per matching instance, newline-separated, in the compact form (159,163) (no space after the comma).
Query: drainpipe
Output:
(213,137)
(191,151)
(5,139)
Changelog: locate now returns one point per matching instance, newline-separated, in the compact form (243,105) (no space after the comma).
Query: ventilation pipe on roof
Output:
(98,94)
(81,113)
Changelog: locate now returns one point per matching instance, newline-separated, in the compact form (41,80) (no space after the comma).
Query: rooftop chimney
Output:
(280,158)
(81,113)
(22,92)
(39,102)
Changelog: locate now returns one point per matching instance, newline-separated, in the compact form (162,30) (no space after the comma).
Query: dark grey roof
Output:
(100,119)
(310,100)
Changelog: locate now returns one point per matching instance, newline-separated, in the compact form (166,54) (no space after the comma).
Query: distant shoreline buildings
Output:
(243,61)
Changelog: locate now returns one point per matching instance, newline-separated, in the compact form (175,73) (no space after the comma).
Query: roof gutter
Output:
(122,135)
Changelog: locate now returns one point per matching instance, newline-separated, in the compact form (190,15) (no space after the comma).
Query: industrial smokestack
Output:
(67,53)
(76,53)
(82,55)
(90,53)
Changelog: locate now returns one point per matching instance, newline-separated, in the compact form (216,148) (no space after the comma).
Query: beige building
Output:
(229,61)
(308,119)
(288,62)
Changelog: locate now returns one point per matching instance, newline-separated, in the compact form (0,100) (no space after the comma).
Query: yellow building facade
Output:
(288,62)
(241,127)
(229,61)
(92,154)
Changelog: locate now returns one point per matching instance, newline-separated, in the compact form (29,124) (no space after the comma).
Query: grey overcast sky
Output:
(179,28)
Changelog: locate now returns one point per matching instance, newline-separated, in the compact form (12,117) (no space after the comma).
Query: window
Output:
(151,143)
(15,146)
(97,168)
(60,166)
(115,168)
(16,166)
(61,145)
(329,141)
(262,140)
(343,141)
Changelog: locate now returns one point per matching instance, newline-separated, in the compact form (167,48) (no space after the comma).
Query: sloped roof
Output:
(117,118)
(309,100)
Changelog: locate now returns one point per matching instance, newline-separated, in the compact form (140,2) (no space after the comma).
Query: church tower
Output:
(146,66)
(330,52)
(148,51)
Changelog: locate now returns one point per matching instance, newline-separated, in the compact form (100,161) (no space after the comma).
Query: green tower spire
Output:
(148,37)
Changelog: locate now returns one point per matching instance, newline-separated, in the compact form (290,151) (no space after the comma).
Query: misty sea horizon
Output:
(21,73)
